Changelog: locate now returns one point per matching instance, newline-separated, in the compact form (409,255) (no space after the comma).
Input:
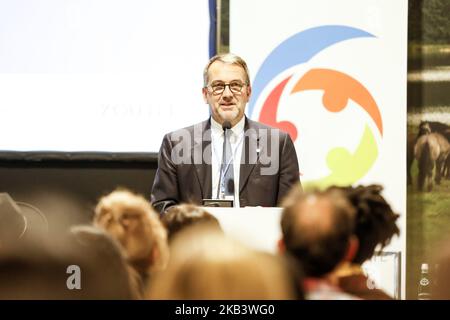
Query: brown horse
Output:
(430,150)
(426,127)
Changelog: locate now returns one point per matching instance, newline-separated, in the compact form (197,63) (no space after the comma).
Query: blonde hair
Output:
(207,265)
(179,217)
(227,58)
(130,219)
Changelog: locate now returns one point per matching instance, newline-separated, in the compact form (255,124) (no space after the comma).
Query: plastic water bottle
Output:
(424,292)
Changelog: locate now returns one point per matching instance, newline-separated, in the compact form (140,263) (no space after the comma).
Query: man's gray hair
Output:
(227,58)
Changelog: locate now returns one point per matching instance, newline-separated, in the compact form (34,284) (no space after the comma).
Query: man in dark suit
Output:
(263,164)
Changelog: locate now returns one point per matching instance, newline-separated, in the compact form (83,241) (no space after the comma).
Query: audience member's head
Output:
(375,222)
(177,218)
(205,264)
(84,264)
(317,229)
(131,220)
(104,257)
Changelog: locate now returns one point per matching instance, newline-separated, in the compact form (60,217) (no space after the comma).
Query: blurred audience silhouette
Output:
(205,264)
(317,229)
(326,237)
(130,219)
(40,268)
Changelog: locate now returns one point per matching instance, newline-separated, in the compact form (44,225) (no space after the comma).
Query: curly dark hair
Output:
(375,220)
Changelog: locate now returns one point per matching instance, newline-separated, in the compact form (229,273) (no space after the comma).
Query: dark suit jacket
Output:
(184,166)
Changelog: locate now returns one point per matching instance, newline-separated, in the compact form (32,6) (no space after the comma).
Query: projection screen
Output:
(107,76)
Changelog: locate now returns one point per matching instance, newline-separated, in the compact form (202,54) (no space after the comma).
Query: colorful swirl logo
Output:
(338,88)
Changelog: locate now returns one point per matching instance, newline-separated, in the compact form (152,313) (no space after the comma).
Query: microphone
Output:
(226,125)
(230,185)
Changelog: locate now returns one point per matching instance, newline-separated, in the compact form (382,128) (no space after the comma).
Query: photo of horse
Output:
(428,135)
(431,152)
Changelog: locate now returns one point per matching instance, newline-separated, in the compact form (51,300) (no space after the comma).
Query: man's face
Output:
(227,105)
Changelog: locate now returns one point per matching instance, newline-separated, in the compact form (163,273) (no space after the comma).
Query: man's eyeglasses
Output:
(219,87)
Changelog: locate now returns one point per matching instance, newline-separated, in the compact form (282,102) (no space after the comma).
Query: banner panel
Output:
(333,75)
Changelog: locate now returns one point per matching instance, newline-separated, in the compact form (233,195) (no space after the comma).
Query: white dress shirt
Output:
(236,140)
